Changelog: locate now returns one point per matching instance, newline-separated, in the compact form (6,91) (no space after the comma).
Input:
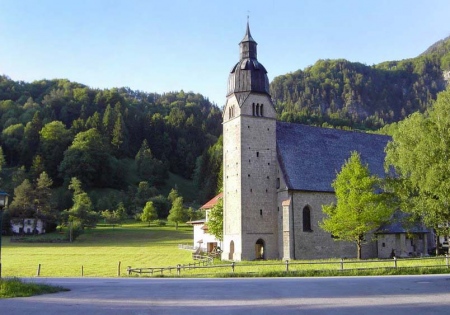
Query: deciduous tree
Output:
(149,213)
(419,154)
(177,212)
(215,220)
(360,206)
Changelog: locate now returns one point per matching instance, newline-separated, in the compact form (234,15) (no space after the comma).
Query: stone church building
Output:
(278,175)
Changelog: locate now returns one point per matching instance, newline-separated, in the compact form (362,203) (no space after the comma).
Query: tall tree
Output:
(173,195)
(87,159)
(118,135)
(149,213)
(419,154)
(359,207)
(22,205)
(43,199)
(55,139)
(30,141)
(177,212)
(81,211)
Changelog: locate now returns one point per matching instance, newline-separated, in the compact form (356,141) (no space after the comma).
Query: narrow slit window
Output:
(307,219)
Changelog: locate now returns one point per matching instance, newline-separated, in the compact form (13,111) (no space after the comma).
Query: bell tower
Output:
(250,161)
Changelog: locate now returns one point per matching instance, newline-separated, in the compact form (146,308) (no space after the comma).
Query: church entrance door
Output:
(259,248)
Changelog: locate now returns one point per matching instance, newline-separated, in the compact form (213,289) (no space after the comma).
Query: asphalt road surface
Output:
(337,295)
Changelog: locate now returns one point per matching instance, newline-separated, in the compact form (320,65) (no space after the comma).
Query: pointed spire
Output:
(248,44)
(248,36)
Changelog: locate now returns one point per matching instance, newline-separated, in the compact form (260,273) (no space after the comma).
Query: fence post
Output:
(342,264)
(178,269)
(287,265)
(129,270)
(232,267)
(38,273)
(118,270)
(82,271)
(395,262)
(446,260)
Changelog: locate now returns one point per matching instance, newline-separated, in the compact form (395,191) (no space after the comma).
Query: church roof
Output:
(311,157)
(400,223)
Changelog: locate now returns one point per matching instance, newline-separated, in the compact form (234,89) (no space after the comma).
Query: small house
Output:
(27,226)
(202,239)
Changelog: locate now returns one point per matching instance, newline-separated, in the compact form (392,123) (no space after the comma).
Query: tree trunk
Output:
(436,242)
(358,246)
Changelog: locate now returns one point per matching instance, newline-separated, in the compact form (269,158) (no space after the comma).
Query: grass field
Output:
(16,288)
(98,251)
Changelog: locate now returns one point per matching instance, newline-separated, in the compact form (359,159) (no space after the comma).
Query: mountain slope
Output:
(350,94)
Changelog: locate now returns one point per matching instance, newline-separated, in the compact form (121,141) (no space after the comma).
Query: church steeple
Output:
(248,45)
(248,75)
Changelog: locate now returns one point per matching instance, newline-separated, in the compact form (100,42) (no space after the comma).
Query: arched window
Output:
(253,109)
(231,253)
(261,110)
(307,219)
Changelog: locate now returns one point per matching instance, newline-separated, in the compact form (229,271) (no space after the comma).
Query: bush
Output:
(160,223)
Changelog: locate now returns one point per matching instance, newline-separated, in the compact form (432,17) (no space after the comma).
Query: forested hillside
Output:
(108,139)
(341,93)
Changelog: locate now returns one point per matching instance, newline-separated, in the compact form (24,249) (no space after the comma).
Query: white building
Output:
(27,226)
(202,239)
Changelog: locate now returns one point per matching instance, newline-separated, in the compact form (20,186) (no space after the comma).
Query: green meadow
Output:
(98,251)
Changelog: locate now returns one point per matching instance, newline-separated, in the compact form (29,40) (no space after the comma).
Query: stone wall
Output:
(316,243)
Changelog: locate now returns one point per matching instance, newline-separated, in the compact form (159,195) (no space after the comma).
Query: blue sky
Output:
(162,46)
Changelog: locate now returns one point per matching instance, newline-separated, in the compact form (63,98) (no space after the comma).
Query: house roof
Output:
(311,157)
(211,203)
(399,223)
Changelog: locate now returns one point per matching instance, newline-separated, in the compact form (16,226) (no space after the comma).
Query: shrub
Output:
(160,223)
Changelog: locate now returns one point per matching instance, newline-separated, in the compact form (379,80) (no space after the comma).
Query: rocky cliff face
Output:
(446,75)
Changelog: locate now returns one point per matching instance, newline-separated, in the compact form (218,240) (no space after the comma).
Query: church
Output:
(277,175)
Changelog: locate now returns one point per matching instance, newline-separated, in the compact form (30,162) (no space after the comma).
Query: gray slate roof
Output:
(310,157)
(399,223)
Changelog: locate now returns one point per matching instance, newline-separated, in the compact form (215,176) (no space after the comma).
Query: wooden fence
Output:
(203,268)
(201,262)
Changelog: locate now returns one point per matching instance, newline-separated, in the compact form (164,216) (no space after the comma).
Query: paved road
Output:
(346,295)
